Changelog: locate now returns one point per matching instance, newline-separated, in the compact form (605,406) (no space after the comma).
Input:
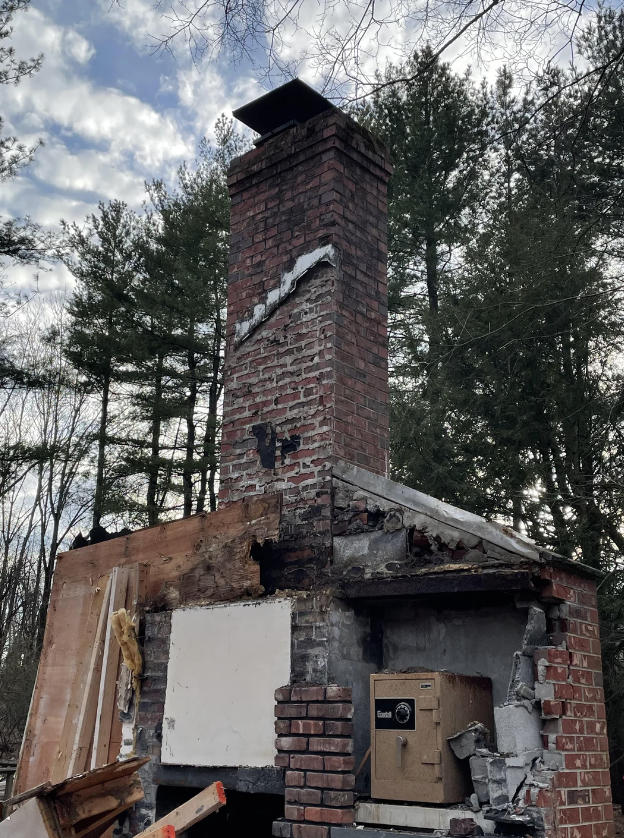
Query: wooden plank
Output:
(110,667)
(438,583)
(167,831)
(98,826)
(194,810)
(99,775)
(86,714)
(60,769)
(171,551)
(99,800)
(32,820)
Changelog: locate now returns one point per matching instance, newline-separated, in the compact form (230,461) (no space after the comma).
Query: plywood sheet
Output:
(32,820)
(225,663)
(205,558)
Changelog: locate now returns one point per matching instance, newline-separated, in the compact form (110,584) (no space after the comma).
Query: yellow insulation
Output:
(125,632)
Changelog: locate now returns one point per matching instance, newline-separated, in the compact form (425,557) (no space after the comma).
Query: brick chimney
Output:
(306,369)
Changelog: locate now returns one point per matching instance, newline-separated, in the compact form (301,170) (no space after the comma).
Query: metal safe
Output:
(411,717)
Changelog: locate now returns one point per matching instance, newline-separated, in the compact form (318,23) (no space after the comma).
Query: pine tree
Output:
(102,256)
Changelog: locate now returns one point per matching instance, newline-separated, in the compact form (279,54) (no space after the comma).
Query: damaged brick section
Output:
(576,803)
(315,748)
(309,384)
(150,714)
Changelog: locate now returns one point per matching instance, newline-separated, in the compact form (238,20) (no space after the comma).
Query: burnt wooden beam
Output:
(256,780)
(439,583)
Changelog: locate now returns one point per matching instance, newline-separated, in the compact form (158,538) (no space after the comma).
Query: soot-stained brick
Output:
(289,445)
(266,435)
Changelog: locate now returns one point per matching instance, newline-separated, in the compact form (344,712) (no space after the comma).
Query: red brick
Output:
(587,743)
(339,763)
(338,798)
(590,778)
(329,745)
(551,709)
(294,813)
(306,762)
(310,797)
(305,726)
(581,676)
(291,743)
(572,726)
(556,591)
(584,711)
(601,795)
(282,760)
(315,813)
(569,815)
(282,728)
(552,655)
(330,711)
(591,814)
(334,693)
(587,599)
(307,830)
(607,811)
(556,673)
(564,691)
(578,797)
(330,781)
(282,694)
(576,761)
(578,644)
(291,711)
(339,728)
(565,779)
(604,830)
(575,831)
(294,778)
(308,693)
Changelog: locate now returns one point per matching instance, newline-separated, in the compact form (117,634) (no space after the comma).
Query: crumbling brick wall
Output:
(150,713)
(310,384)
(315,748)
(577,802)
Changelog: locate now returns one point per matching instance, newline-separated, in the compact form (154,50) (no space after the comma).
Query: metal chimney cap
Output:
(291,104)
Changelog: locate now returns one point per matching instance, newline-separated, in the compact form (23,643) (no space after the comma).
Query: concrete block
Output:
(553,760)
(401,816)
(518,728)
(479,774)
(371,551)
(544,691)
(516,775)
(535,634)
(522,673)
(465,743)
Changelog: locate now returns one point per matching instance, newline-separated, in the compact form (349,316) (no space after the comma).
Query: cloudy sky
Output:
(110,113)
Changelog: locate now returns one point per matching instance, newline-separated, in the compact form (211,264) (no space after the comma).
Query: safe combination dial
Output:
(403,713)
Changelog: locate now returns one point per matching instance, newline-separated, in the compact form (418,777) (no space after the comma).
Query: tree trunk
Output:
(191,403)
(98,503)
(153,508)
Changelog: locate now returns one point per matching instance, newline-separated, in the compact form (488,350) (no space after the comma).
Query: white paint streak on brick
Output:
(287,285)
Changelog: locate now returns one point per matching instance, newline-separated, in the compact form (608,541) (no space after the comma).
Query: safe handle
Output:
(401,742)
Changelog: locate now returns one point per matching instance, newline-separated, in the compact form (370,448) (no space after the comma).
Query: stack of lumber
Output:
(84,806)
(92,733)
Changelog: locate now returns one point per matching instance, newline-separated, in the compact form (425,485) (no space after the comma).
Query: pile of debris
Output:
(87,805)
(507,777)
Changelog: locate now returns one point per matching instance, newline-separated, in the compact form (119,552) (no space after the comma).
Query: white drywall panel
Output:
(27,822)
(225,663)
